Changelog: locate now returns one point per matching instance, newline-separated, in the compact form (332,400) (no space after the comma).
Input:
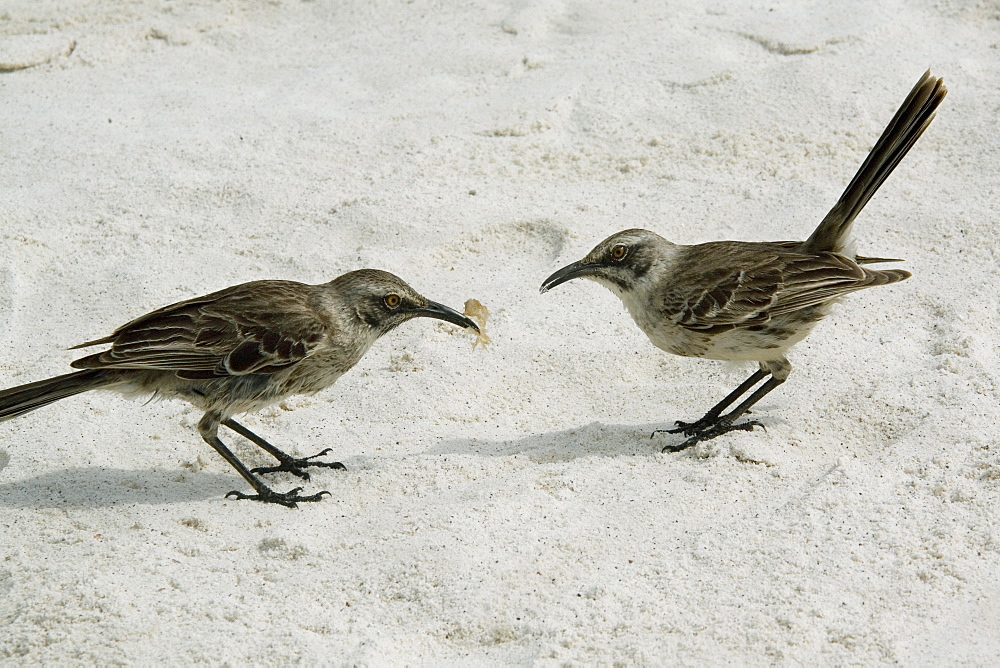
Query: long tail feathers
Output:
(25,398)
(910,121)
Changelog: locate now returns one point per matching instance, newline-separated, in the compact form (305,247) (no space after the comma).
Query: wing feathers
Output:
(259,327)
(736,284)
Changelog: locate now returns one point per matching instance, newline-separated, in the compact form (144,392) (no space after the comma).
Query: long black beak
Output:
(442,312)
(568,273)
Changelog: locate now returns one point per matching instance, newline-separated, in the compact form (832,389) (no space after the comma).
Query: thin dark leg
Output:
(725,424)
(208,426)
(712,416)
(288,463)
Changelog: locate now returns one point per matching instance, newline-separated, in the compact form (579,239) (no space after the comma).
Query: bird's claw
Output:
(703,424)
(688,428)
(692,428)
(295,465)
(288,499)
(717,429)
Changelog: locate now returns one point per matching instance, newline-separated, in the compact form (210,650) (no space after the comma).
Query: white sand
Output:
(504,506)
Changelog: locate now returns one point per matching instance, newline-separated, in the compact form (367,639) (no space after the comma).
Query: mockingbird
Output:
(736,300)
(240,349)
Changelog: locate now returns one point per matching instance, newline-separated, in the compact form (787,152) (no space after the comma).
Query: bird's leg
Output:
(724,424)
(209,428)
(709,419)
(294,465)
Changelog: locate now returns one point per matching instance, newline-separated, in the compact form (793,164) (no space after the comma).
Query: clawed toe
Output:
(692,428)
(288,499)
(286,468)
(717,429)
(296,465)
(687,428)
(747,426)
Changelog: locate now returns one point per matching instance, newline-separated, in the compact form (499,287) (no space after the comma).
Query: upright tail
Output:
(25,398)
(913,117)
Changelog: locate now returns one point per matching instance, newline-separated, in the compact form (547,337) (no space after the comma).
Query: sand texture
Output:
(501,504)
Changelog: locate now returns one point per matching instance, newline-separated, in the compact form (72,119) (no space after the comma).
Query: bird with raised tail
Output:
(240,349)
(752,301)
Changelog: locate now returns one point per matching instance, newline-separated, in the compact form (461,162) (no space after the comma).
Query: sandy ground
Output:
(506,505)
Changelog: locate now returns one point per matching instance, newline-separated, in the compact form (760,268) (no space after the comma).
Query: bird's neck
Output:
(643,296)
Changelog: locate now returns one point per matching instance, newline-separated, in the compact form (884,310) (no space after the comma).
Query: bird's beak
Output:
(442,312)
(568,273)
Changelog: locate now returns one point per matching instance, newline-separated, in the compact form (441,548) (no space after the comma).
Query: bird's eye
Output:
(619,252)
(392,300)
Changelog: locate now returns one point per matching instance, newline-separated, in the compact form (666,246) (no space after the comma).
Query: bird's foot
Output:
(718,429)
(690,428)
(296,465)
(288,499)
(703,424)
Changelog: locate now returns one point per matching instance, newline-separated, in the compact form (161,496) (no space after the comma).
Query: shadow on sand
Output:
(592,440)
(94,487)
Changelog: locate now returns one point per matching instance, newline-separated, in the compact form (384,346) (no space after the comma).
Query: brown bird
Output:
(736,300)
(240,349)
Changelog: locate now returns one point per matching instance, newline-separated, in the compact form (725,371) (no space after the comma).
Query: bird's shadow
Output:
(98,487)
(591,440)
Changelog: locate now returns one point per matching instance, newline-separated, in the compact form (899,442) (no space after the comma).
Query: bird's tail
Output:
(910,121)
(25,398)
(885,276)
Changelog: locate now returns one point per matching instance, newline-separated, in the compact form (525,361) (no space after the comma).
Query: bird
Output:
(240,349)
(752,301)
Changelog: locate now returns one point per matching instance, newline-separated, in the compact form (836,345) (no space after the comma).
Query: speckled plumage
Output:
(752,301)
(240,349)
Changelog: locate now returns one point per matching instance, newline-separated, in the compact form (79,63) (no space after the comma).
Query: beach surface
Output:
(501,505)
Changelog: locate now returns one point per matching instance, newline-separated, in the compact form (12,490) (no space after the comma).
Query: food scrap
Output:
(475,310)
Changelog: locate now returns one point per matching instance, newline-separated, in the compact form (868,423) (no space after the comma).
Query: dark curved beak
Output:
(442,312)
(568,273)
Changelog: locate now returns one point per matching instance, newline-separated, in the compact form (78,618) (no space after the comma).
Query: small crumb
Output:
(196,465)
(401,360)
(194,523)
(475,310)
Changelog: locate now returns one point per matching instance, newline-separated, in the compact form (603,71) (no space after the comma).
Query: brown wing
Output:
(796,246)
(736,284)
(258,327)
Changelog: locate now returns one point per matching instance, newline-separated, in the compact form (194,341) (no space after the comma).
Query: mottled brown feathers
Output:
(257,327)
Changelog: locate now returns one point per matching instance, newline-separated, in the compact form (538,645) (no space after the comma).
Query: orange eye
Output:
(619,252)
(392,300)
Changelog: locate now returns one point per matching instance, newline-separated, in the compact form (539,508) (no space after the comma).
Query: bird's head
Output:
(384,301)
(621,262)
